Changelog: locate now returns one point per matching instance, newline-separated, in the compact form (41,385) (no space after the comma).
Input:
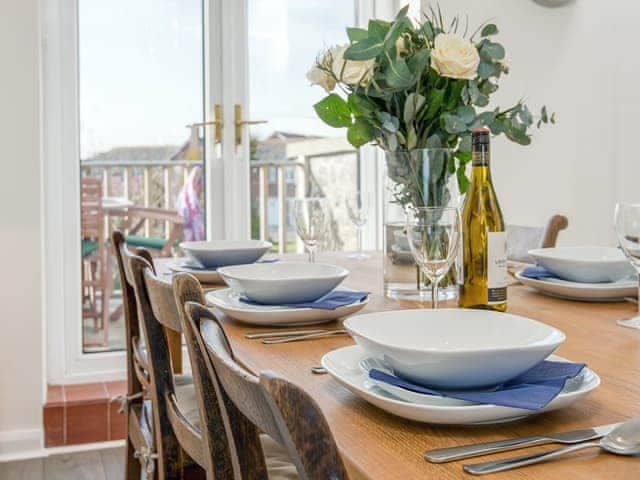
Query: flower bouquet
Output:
(417,89)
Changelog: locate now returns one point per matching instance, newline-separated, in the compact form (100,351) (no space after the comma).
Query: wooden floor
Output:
(93,465)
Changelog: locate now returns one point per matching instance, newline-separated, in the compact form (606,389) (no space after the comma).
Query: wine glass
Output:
(434,238)
(358,206)
(311,216)
(627,223)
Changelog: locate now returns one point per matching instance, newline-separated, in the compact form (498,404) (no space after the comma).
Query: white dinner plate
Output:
(204,275)
(343,364)
(229,302)
(585,292)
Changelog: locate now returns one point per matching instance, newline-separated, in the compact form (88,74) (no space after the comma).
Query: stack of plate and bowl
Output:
(204,258)
(285,293)
(449,352)
(593,274)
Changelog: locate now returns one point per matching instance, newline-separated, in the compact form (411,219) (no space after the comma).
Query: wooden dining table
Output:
(377,445)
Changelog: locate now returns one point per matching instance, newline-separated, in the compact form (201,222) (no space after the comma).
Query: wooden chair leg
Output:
(132,467)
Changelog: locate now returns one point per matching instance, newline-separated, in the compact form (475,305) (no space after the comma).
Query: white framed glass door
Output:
(278,149)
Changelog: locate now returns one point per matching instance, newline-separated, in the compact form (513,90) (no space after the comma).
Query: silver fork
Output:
(297,338)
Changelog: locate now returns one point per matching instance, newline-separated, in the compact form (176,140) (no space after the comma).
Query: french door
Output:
(238,73)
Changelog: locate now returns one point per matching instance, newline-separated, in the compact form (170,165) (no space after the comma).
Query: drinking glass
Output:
(627,223)
(433,234)
(311,216)
(358,206)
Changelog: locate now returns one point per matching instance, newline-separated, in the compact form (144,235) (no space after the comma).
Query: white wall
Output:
(21,340)
(582,61)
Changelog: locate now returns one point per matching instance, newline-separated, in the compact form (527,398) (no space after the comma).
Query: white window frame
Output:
(227,193)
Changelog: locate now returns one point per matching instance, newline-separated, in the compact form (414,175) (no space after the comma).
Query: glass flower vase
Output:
(418,178)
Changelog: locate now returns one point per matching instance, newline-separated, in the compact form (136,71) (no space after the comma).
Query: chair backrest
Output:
(272,404)
(92,214)
(521,239)
(217,458)
(136,368)
(162,387)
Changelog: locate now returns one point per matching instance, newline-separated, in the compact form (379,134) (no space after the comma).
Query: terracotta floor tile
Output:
(85,393)
(53,420)
(87,423)
(118,387)
(55,395)
(117,422)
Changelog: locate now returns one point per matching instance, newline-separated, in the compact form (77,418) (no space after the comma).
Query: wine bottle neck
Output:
(480,158)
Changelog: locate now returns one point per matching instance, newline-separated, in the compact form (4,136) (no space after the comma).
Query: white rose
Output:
(351,72)
(454,57)
(318,74)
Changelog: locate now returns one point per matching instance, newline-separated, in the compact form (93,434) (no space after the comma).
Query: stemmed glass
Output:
(358,206)
(434,238)
(311,216)
(627,223)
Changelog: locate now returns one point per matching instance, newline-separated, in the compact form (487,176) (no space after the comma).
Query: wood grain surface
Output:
(377,445)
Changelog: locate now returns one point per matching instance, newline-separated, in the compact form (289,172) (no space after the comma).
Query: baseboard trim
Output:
(21,444)
(27,444)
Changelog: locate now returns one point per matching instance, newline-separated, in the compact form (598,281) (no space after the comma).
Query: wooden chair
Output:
(157,311)
(208,440)
(522,239)
(136,404)
(267,403)
(160,247)
(96,271)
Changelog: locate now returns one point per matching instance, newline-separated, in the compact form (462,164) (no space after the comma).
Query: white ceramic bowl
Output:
(283,282)
(219,253)
(455,348)
(584,264)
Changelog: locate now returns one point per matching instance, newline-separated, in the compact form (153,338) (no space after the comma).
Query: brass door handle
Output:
(217,114)
(239,122)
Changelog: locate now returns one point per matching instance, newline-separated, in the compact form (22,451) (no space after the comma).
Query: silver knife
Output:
(442,455)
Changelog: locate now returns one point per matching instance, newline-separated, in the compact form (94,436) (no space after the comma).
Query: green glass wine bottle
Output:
(484,240)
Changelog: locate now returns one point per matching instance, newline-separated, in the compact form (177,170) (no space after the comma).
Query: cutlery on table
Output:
(622,440)
(297,338)
(631,300)
(442,455)
(282,333)
(319,370)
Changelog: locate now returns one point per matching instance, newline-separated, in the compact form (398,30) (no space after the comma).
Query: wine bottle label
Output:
(497,267)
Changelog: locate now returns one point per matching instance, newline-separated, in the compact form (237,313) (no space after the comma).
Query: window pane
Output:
(141,82)
(285,36)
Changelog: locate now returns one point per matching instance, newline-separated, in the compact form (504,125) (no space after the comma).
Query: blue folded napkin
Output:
(331,301)
(194,266)
(538,273)
(532,390)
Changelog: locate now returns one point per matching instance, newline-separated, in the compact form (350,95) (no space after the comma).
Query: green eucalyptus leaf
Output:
(543,114)
(427,29)
(489,29)
(412,106)
(361,105)
(388,121)
(453,124)
(474,91)
(356,34)
(418,62)
(487,87)
(434,141)
(397,28)
(378,29)
(364,50)
(487,69)
(465,143)
(333,111)
(403,12)
(492,51)
(525,115)
(482,100)
(392,142)
(483,119)
(398,75)
(467,113)
(359,133)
